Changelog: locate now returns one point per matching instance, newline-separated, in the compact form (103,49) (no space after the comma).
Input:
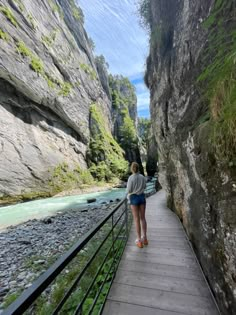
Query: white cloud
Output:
(143,101)
(114,27)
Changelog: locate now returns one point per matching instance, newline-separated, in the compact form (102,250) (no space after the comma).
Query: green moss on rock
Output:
(32,21)
(37,65)
(9,15)
(62,177)
(23,49)
(65,89)
(50,39)
(20,5)
(219,78)
(56,8)
(87,69)
(4,35)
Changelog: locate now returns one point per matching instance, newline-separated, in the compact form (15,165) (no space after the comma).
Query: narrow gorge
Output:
(66,122)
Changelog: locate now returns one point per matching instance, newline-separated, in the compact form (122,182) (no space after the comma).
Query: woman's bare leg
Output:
(135,212)
(142,209)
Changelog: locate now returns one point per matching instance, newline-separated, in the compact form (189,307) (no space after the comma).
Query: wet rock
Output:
(47,220)
(91,200)
(39,262)
(84,210)
(3,291)
(24,241)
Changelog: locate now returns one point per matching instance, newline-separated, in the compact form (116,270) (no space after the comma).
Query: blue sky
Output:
(114,27)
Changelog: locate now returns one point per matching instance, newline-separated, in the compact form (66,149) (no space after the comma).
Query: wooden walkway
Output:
(162,278)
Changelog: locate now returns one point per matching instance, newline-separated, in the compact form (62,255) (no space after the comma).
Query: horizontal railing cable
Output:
(97,273)
(67,295)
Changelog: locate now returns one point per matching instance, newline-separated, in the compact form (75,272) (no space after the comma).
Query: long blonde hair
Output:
(134,167)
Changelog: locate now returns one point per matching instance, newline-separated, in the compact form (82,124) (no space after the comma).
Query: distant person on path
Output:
(135,190)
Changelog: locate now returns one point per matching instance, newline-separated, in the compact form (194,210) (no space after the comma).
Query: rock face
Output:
(48,80)
(190,73)
(152,157)
(124,116)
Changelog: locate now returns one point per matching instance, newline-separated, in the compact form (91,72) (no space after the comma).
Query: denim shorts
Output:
(137,200)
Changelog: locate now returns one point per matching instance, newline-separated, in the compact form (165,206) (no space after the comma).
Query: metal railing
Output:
(90,272)
(151,187)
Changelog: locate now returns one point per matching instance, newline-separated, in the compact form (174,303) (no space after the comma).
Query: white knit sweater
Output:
(136,184)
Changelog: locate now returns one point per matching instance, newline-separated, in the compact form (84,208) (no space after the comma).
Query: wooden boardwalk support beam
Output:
(163,278)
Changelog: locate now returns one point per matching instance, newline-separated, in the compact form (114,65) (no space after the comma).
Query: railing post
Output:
(113,245)
(126,219)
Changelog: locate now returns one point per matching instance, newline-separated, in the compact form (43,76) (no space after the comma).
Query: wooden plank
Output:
(166,259)
(170,301)
(157,239)
(156,244)
(118,308)
(165,233)
(160,269)
(162,278)
(164,283)
(160,251)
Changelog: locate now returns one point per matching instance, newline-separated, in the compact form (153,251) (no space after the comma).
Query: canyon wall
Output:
(191,77)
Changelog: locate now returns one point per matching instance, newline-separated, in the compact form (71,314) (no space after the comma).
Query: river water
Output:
(22,212)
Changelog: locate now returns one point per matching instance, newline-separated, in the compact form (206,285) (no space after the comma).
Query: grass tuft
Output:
(9,15)
(4,35)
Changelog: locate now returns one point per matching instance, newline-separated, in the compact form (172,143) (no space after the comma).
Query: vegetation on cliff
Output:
(124,115)
(144,125)
(219,77)
(105,156)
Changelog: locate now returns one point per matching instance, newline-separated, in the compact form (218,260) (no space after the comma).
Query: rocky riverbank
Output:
(29,249)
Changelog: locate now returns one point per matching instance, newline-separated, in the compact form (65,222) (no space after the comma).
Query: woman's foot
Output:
(144,241)
(139,243)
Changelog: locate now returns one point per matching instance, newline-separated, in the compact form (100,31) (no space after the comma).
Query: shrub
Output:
(49,40)
(56,8)
(4,35)
(145,13)
(128,132)
(76,11)
(23,49)
(32,21)
(87,69)
(85,176)
(65,88)
(37,65)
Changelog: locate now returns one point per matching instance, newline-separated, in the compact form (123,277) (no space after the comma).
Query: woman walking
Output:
(135,189)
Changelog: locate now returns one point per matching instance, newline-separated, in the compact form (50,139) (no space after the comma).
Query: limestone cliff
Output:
(124,117)
(48,83)
(191,76)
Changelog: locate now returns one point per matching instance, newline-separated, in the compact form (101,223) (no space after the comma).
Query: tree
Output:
(91,43)
(102,61)
(145,13)
(144,125)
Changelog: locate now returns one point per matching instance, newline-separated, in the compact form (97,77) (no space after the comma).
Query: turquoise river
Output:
(22,212)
